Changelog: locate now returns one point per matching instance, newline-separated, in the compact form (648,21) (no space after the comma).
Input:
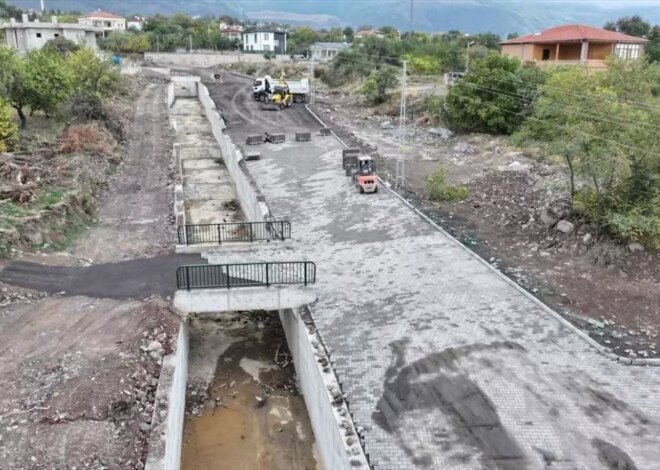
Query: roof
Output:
(230,30)
(263,31)
(574,33)
(102,14)
(58,26)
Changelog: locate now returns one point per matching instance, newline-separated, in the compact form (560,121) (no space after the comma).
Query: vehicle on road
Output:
(364,175)
(264,87)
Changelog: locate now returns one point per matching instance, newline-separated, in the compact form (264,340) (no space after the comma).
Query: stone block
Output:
(252,155)
(254,140)
(277,138)
(303,136)
(325,131)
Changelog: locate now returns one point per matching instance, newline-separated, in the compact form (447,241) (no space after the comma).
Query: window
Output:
(627,51)
(38,35)
(265,36)
(57,35)
(255,37)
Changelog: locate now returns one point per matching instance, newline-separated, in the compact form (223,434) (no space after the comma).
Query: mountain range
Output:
(470,16)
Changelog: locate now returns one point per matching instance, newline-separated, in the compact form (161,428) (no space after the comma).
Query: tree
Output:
(653,46)
(631,25)
(379,82)
(389,31)
(8,128)
(348,34)
(494,96)
(512,36)
(61,46)
(91,74)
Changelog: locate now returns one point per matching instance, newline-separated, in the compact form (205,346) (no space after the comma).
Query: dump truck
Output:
(263,88)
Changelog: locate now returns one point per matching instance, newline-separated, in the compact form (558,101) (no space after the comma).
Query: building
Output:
(363,33)
(326,51)
(135,22)
(28,35)
(574,44)
(104,20)
(265,41)
(231,31)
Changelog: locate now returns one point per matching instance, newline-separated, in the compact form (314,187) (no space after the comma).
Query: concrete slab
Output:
(243,298)
(444,363)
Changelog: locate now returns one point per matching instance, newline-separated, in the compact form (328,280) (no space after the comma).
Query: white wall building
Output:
(104,20)
(231,31)
(265,41)
(135,22)
(326,51)
(29,35)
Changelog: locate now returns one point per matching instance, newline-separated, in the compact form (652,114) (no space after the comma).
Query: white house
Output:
(326,51)
(28,35)
(135,22)
(231,31)
(104,20)
(265,41)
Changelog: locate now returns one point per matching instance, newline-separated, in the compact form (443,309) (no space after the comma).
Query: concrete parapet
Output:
(252,155)
(350,152)
(303,136)
(277,138)
(254,139)
(243,298)
(325,132)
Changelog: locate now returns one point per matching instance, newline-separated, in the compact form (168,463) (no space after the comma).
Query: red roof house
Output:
(574,44)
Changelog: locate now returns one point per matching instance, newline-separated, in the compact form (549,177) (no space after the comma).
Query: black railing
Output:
(234,232)
(245,275)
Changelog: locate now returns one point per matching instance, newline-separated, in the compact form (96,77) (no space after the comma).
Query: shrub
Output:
(8,127)
(87,138)
(439,190)
(379,82)
(61,46)
(433,107)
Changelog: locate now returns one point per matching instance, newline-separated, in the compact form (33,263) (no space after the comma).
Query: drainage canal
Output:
(243,408)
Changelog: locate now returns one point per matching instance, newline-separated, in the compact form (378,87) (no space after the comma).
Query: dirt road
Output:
(135,215)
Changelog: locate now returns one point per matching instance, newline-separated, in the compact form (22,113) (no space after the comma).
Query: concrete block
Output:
(352,152)
(243,298)
(277,138)
(303,136)
(254,140)
(252,155)
(325,131)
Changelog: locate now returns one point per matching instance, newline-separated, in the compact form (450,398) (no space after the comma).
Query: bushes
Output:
(87,138)
(439,190)
(379,82)
(8,127)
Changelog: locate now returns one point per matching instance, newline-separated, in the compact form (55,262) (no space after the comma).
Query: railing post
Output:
(219,235)
(282,230)
(251,234)
(187,235)
(188,277)
(305,264)
(267,278)
(228,279)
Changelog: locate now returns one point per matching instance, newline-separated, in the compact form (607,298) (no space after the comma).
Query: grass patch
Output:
(440,190)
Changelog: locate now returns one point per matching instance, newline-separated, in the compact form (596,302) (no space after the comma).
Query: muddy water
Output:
(244,411)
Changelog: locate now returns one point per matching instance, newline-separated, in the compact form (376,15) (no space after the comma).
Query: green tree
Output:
(61,46)
(389,31)
(91,74)
(632,25)
(8,128)
(653,46)
(380,81)
(609,142)
(494,96)
(348,34)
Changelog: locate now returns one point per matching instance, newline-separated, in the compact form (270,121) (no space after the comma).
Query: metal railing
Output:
(245,275)
(234,232)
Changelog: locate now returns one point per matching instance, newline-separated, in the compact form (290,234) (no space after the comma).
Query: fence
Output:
(234,232)
(245,275)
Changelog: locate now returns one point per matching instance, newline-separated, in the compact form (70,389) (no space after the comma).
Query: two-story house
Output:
(265,41)
(102,19)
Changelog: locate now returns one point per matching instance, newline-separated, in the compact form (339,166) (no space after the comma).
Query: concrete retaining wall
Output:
(201,59)
(170,95)
(165,443)
(185,87)
(336,437)
(252,201)
(243,298)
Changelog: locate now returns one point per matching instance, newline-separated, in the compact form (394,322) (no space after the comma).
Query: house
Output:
(104,20)
(27,35)
(363,33)
(231,31)
(264,41)
(326,51)
(574,44)
(135,22)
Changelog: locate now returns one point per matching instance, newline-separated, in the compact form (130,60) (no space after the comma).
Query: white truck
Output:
(264,86)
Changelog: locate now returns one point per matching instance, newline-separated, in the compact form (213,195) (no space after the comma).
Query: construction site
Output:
(266,287)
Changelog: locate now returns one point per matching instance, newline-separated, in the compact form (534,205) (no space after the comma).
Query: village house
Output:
(135,22)
(28,35)
(104,20)
(326,51)
(574,44)
(231,31)
(265,41)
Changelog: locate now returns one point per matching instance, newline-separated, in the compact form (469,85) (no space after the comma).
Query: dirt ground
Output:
(79,372)
(603,287)
(244,411)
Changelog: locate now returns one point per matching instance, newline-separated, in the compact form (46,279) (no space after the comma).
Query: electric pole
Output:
(412,3)
(400,178)
(311,80)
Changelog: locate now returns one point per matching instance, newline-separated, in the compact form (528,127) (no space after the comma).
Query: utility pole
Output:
(157,44)
(190,39)
(467,63)
(311,80)
(412,3)
(400,178)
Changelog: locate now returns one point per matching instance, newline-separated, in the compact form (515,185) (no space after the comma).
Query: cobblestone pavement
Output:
(444,364)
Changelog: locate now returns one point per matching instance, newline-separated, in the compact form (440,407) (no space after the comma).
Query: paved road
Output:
(134,279)
(445,365)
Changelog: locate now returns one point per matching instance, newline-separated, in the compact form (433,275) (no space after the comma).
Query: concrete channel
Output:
(228,398)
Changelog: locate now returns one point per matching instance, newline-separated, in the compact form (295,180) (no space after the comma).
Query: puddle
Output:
(245,412)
